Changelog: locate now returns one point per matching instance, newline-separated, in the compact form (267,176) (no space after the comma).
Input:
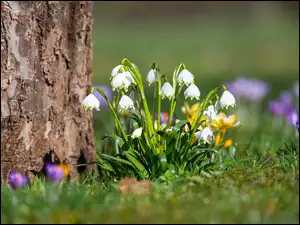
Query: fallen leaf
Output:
(131,185)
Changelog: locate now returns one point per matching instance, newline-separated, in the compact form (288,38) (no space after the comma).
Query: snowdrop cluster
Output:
(122,80)
(151,142)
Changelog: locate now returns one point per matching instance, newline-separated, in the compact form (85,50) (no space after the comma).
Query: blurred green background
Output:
(217,41)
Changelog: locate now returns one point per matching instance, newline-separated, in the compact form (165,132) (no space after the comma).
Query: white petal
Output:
(137,133)
(167,91)
(227,99)
(210,113)
(152,76)
(206,135)
(121,81)
(185,77)
(192,92)
(116,71)
(129,77)
(125,103)
(91,102)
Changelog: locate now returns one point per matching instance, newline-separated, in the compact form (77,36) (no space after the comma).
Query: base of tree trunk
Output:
(46,70)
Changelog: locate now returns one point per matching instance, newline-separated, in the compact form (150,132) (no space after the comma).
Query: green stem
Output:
(173,105)
(138,78)
(154,102)
(199,113)
(173,102)
(113,111)
(158,104)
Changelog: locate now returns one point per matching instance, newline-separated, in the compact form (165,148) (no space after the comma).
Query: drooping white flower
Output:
(125,103)
(192,92)
(205,135)
(121,81)
(227,99)
(91,102)
(152,76)
(185,77)
(129,77)
(116,70)
(137,133)
(210,113)
(167,91)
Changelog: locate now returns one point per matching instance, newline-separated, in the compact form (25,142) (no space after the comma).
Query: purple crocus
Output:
(292,117)
(164,118)
(107,91)
(17,180)
(280,108)
(250,89)
(54,172)
(297,126)
(284,108)
(286,97)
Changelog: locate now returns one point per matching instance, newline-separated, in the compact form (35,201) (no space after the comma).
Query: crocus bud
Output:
(17,180)
(54,172)
(227,143)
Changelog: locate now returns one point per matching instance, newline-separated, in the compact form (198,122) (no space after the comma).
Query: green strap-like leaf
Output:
(103,164)
(117,159)
(130,156)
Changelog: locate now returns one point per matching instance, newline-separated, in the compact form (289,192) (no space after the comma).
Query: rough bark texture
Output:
(45,73)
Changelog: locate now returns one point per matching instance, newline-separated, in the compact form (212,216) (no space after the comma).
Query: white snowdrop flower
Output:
(210,113)
(137,133)
(205,135)
(120,81)
(116,70)
(227,99)
(185,77)
(152,77)
(167,91)
(129,77)
(169,130)
(91,102)
(125,103)
(192,92)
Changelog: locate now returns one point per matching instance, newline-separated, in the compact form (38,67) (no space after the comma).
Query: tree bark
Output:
(46,70)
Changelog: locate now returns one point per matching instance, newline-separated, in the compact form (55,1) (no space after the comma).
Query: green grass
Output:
(241,195)
(259,186)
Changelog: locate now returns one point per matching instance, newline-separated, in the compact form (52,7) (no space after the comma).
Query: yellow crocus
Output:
(66,169)
(227,143)
(218,139)
(190,112)
(224,122)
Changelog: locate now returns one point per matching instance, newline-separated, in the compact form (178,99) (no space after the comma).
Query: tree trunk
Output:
(46,63)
